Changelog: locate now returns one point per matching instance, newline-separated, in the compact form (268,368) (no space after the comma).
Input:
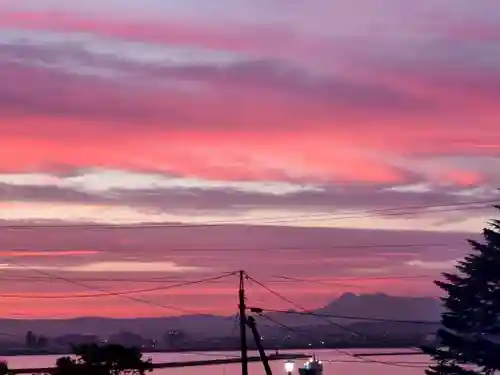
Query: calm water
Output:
(335,363)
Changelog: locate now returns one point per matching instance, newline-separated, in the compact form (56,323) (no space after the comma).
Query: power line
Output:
(317,247)
(104,280)
(360,358)
(300,307)
(305,247)
(384,320)
(390,211)
(131,298)
(278,280)
(387,277)
(307,311)
(115,294)
(336,279)
(233,331)
(311,248)
(270,220)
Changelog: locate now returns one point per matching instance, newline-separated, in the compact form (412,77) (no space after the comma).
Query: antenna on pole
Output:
(243,322)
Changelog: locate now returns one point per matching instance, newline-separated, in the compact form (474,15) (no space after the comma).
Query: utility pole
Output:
(257,338)
(243,322)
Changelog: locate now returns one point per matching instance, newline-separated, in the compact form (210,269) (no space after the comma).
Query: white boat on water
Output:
(313,366)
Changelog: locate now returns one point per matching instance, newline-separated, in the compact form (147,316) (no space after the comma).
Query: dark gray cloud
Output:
(67,81)
(40,91)
(329,198)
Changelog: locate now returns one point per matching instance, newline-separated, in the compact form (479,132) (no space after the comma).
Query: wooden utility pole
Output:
(243,322)
(262,352)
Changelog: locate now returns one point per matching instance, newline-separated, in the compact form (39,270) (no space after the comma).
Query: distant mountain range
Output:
(364,305)
(384,306)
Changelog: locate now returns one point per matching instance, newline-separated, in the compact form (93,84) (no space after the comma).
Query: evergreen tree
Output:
(469,337)
(103,360)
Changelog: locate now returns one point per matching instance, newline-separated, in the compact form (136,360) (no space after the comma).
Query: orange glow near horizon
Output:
(207,301)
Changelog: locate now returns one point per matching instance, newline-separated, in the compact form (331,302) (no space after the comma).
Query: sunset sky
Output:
(340,142)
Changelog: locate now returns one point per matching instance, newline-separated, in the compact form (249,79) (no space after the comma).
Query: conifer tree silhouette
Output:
(469,337)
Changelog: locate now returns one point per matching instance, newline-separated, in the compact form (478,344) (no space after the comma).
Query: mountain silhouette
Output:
(364,305)
(384,306)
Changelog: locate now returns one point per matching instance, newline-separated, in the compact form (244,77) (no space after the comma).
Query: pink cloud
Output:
(47,253)
(479,32)
(175,32)
(322,156)
(307,100)
(255,120)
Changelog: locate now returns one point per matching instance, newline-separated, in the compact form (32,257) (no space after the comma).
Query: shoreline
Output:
(27,353)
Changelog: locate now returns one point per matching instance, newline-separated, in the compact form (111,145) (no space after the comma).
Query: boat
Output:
(313,366)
